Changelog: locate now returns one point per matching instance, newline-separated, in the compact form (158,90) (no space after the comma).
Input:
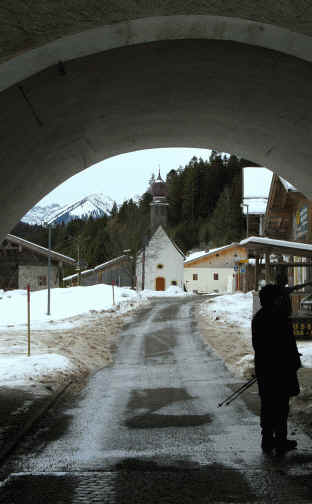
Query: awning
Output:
(257,246)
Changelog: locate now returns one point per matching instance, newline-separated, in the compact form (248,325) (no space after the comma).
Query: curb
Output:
(30,422)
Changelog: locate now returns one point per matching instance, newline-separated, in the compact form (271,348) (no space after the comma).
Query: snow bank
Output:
(234,311)
(230,309)
(20,368)
(172,291)
(65,304)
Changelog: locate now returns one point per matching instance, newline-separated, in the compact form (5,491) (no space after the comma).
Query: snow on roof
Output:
(76,274)
(277,243)
(40,249)
(171,241)
(100,266)
(288,186)
(193,257)
(111,261)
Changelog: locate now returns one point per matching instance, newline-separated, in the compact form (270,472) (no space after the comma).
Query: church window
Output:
(216,276)
(174,282)
(195,276)
(160,266)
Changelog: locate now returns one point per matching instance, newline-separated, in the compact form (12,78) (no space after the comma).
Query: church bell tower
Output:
(159,205)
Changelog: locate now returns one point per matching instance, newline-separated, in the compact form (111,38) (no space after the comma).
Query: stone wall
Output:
(37,277)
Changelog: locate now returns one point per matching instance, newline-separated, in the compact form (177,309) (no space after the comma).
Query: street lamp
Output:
(247,215)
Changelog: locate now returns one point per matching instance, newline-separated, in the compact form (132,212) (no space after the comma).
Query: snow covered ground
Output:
(76,338)
(235,311)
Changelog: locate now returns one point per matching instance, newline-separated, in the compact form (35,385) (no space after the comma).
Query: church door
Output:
(160,284)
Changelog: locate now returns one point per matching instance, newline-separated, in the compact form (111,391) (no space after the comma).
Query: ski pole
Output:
(238,392)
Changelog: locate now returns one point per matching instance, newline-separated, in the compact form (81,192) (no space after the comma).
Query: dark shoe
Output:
(268,444)
(285,446)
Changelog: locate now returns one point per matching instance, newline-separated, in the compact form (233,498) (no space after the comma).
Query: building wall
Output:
(222,264)
(301,221)
(37,277)
(116,273)
(209,279)
(161,252)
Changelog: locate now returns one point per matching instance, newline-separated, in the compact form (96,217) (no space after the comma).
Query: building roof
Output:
(111,261)
(259,245)
(97,268)
(287,185)
(205,254)
(56,256)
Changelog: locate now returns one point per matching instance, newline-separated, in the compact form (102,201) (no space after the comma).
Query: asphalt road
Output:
(148,429)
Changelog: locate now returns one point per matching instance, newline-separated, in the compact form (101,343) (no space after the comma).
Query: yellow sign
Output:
(298,217)
(243,261)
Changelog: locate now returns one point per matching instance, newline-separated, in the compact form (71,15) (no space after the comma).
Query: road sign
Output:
(235,267)
(243,269)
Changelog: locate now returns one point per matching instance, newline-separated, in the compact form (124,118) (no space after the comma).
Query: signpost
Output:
(113,284)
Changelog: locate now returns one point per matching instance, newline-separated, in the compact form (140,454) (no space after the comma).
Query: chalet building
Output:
(115,271)
(224,269)
(160,262)
(289,217)
(288,214)
(25,263)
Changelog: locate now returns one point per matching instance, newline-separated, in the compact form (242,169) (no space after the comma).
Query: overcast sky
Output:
(125,176)
(122,177)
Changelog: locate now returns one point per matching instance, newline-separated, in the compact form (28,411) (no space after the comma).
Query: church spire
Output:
(159,205)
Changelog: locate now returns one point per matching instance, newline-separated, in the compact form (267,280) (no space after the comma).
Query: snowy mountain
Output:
(95,205)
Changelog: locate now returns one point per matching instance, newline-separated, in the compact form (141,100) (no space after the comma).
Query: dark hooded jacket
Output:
(276,354)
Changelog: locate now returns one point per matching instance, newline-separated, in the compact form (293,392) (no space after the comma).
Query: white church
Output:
(160,263)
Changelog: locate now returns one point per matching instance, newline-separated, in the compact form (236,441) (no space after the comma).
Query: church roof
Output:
(172,242)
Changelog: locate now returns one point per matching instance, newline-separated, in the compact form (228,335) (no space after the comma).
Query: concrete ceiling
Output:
(237,85)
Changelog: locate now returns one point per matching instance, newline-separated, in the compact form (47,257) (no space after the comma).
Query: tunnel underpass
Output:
(241,86)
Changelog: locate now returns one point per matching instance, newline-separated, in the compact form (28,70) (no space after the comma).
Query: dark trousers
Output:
(274,415)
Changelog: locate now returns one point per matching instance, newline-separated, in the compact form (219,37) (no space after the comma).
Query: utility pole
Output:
(247,215)
(49,270)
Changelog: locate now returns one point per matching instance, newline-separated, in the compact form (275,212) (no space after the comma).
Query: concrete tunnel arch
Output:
(244,89)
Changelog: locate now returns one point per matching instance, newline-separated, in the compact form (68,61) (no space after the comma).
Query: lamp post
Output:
(247,206)
(49,270)
(49,223)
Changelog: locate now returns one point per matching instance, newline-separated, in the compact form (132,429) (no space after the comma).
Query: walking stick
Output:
(238,392)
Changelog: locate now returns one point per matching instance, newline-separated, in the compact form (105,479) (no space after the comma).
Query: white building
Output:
(160,264)
(223,269)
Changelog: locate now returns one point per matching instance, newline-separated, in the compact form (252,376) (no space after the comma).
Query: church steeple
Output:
(159,205)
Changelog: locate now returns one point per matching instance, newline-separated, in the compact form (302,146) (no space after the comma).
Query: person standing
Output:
(276,363)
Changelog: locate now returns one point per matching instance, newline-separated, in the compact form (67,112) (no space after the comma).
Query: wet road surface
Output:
(148,430)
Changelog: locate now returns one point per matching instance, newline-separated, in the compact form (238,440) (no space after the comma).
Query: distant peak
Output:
(93,205)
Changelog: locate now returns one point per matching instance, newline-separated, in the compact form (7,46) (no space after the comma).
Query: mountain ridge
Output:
(94,205)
